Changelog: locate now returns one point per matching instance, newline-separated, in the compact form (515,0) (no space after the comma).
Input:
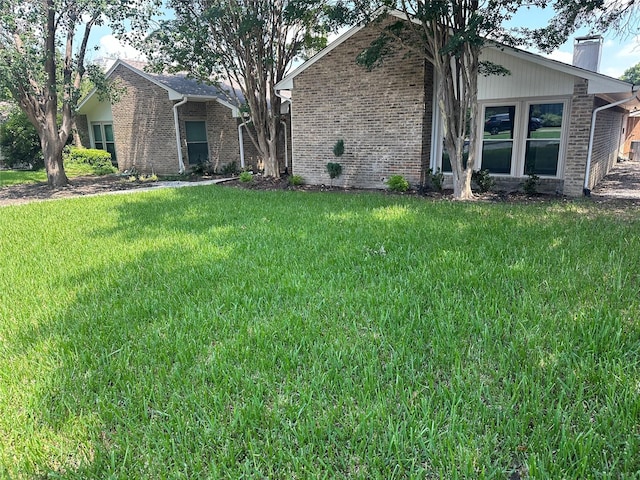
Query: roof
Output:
(598,83)
(178,87)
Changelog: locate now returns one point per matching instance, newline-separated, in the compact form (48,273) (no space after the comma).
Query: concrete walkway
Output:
(622,183)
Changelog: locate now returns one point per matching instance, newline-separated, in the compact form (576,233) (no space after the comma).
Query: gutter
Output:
(283,123)
(181,167)
(241,140)
(587,174)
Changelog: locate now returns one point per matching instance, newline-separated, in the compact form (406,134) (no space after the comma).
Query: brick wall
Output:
(578,139)
(143,126)
(632,135)
(379,115)
(606,142)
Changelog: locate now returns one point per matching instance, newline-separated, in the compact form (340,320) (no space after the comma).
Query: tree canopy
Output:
(632,74)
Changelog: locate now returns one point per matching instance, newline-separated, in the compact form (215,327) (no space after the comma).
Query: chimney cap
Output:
(587,38)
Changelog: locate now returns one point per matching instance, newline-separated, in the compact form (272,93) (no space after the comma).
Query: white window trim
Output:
(104,141)
(519,141)
(520,134)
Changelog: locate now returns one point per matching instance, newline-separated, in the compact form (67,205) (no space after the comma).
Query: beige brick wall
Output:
(143,126)
(578,139)
(379,115)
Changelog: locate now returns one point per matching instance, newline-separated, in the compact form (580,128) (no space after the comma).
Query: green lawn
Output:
(15,177)
(210,332)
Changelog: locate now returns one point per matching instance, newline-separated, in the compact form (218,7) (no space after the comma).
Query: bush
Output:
(437,179)
(338,148)
(334,170)
(530,185)
(99,160)
(230,169)
(483,180)
(296,180)
(202,168)
(246,177)
(397,183)
(20,142)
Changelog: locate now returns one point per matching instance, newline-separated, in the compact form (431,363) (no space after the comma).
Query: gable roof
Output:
(177,87)
(598,83)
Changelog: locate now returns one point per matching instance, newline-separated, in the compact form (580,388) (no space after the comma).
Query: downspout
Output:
(587,174)
(181,167)
(286,136)
(241,141)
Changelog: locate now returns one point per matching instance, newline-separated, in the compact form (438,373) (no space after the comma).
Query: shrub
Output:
(99,160)
(437,179)
(530,185)
(483,180)
(20,142)
(296,180)
(246,177)
(202,168)
(230,168)
(334,170)
(338,148)
(397,183)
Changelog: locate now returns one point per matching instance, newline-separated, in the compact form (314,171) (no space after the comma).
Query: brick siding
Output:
(143,126)
(578,139)
(606,142)
(380,115)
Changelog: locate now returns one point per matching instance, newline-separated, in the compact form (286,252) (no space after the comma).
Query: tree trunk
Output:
(52,151)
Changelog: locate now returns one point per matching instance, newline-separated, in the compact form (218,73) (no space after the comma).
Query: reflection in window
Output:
(543,139)
(197,146)
(497,141)
(446,159)
(103,139)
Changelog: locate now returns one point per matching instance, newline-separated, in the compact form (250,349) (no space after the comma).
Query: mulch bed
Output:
(91,185)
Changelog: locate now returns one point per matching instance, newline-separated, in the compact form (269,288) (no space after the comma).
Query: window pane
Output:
(97,134)
(111,148)
(446,160)
(108,133)
(496,156)
(196,131)
(498,122)
(541,157)
(99,145)
(545,120)
(198,153)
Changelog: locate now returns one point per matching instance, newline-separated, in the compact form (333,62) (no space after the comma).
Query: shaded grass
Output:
(17,177)
(211,332)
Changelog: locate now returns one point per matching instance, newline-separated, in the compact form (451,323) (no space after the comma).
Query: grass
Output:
(219,333)
(16,177)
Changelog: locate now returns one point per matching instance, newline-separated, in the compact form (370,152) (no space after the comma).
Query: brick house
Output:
(139,130)
(537,119)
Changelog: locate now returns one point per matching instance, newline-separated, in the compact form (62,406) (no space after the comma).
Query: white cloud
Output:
(110,46)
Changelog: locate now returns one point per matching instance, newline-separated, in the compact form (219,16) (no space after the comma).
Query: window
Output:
(497,141)
(197,146)
(103,139)
(544,131)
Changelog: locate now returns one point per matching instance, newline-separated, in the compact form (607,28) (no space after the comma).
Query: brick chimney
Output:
(587,52)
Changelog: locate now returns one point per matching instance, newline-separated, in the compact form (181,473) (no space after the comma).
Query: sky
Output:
(620,52)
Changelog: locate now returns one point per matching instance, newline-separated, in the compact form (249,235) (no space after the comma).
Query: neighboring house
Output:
(164,124)
(537,119)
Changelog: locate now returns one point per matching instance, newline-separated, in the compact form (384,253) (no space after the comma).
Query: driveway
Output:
(622,183)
